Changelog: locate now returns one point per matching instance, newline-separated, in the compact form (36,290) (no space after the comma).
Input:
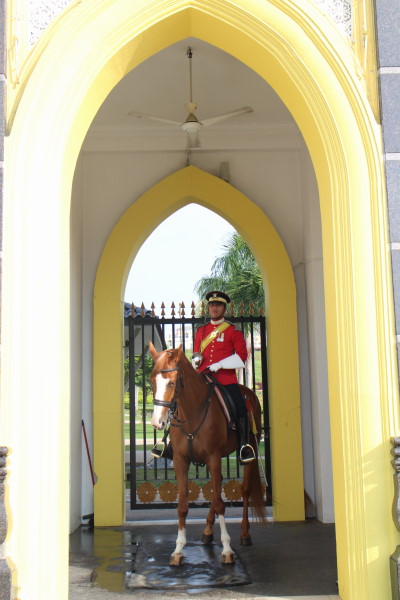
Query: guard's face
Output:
(216,310)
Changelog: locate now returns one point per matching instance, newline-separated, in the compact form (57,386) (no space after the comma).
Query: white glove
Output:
(230,362)
(215,367)
(197,359)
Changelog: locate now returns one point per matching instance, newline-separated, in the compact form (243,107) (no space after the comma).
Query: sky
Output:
(175,256)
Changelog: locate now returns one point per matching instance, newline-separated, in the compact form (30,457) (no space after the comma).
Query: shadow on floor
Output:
(286,559)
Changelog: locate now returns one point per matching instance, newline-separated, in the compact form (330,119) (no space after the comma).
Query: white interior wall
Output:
(305,390)
(271,177)
(76,462)
(315,303)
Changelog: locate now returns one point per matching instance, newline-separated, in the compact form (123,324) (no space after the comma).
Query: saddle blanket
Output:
(227,404)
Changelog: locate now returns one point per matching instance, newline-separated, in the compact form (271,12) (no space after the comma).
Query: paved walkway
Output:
(287,561)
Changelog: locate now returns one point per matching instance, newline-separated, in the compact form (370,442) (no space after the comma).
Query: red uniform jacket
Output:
(227,343)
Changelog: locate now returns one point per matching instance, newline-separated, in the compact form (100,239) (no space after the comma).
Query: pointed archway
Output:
(185,186)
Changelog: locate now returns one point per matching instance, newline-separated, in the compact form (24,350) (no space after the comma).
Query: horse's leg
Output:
(227,556)
(208,535)
(181,467)
(245,538)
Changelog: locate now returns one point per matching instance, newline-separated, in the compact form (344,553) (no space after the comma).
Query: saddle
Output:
(225,399)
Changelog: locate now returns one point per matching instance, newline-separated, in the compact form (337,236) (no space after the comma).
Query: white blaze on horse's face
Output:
(160,413)
(163,391)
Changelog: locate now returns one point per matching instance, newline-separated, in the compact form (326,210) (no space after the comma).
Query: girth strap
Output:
(196,463)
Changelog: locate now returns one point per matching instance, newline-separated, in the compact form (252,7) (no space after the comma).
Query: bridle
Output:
(171,404)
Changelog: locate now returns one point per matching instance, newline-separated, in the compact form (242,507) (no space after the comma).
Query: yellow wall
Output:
(172,193)
(297,51)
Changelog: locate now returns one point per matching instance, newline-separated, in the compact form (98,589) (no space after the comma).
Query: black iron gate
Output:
(152,481)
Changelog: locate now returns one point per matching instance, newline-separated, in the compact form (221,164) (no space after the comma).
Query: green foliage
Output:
(146,367)
(236,273)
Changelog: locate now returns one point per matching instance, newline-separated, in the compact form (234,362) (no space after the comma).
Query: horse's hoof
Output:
(176,560)
(228,559)
(207,538)
(246,541)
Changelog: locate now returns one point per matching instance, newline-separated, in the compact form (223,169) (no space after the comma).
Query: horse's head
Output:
(164,379)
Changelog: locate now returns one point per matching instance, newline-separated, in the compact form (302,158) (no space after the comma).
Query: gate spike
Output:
(173,309)
(153,314)
(133,311)
(251,309)
(182,308)
(232,309)
(163,310)
(143,309)
(261,311)
(193,306)
(241,308)
(202,308)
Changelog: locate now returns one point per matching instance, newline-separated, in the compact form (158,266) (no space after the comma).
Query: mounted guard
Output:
(220,349)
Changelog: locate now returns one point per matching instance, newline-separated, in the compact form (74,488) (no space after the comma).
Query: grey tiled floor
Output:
(287,560)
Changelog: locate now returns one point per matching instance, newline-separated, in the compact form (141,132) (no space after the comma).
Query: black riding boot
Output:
(246,453)
(164,452)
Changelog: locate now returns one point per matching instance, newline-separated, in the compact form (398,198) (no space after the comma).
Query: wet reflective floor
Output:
(286,560)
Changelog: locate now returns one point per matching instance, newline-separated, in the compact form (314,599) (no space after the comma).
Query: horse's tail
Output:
(257,496)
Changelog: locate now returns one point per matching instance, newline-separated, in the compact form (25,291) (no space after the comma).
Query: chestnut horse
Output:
(200,433)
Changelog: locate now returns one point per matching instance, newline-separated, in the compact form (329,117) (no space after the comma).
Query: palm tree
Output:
(236,273)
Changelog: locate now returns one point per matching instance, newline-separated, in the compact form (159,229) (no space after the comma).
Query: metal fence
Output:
(152,481)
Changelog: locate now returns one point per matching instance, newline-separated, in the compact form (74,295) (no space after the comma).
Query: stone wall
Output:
(5,573)
(388,35)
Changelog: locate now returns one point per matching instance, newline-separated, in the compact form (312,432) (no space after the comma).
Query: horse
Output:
(199,433)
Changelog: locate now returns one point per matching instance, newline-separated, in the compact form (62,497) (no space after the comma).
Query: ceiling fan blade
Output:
(228,115)
(193,139)
(144,117)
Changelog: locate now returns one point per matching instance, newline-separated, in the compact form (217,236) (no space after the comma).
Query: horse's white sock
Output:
(225,539)
(180,541)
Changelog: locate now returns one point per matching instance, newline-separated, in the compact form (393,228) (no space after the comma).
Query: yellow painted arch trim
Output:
(194,185)
(293,46)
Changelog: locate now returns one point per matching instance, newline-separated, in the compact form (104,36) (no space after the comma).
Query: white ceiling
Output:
(160,86)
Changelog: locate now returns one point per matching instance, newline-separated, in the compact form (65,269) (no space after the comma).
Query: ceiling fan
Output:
(191,126)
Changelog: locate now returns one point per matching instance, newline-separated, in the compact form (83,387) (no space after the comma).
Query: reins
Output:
(173,405)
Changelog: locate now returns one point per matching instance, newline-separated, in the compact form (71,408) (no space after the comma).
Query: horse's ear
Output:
(153,351)
(174,354)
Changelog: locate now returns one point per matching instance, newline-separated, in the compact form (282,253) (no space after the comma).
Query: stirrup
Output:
(246,448)
(156,452)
